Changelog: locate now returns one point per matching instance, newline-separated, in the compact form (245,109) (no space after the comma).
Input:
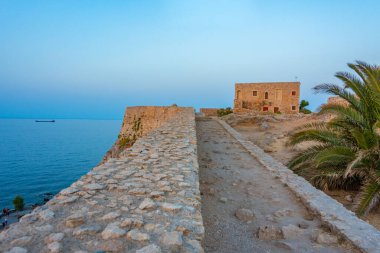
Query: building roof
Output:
(269,83)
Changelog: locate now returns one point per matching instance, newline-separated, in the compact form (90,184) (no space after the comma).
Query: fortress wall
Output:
(139,121)
(209,111)
(147,200)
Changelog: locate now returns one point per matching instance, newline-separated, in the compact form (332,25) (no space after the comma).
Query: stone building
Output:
(337,100)
(277,97)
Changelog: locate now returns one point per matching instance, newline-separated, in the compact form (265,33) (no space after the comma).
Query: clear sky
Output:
(90,59)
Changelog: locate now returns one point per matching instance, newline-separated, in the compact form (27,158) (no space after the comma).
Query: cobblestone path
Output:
(245,209)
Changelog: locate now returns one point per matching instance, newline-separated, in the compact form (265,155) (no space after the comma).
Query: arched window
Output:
(266,95)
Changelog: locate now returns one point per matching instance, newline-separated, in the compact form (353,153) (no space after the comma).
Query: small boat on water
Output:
(49,121)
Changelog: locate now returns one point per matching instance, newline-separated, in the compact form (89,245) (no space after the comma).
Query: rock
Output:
(54,237)
(223,200)
(74,220)
(349,198)
(147,204)
(54,247)
(86,230)
(284,246)
(196,246)
(290,231)
(168,207)
(44,228)
(69,191)
(244,214)
(269,233)
(111,246)
(303,225)
(325,238)
(17,250)
(68,200)
(112,231)
(151,248)
(93,187)
(283,212)
(111,216)
(264,126)
(156,194)
(171,239)
(46,215)
(136,235)
(22,240)
(132,223)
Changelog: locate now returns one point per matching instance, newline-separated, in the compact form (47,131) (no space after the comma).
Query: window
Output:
(266,95)
(265,109)
(254,93)
(293,108)
(276,110)
(294,93)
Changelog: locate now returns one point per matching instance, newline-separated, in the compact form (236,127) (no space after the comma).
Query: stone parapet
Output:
(209,111)
(147,200)
(332,213)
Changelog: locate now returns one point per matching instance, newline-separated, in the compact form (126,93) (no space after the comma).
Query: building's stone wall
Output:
(147,200)
(337,101)
(209,111)
(283,97)
(138,122)
(332,213)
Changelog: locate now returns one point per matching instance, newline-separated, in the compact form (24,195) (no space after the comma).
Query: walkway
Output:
(231,180)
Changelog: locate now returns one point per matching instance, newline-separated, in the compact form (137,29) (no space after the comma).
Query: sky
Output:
(89,59)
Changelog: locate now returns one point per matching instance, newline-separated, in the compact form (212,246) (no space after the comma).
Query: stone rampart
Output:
(139,121)
(147,200)
(332,213)
(209,111)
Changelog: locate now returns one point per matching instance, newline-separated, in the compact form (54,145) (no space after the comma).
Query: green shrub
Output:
(222,112)
(303,105)
(18,202)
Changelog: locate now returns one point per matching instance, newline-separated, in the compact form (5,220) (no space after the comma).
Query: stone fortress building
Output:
(276,97)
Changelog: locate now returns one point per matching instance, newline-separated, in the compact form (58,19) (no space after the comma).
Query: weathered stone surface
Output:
(86,230)
(269,233)
(46,215)
(111,216)
(152,248)
(136,235)
(322,237)
(21,241)
(290,231)
(171,239)
(74,220)
(54,247)
(170,207)
(112,231)
(17,250)
(55,237)
(244,214)
(93,187)
(147,204)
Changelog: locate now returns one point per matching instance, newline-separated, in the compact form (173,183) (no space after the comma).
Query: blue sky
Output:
(90,59)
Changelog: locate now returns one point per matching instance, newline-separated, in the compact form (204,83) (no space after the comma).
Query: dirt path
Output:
(231,179)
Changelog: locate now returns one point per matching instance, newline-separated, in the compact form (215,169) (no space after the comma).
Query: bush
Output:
(222,112)
(303,105)
(18,202)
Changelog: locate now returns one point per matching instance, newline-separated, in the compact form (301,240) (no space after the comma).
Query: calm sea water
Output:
(38,158)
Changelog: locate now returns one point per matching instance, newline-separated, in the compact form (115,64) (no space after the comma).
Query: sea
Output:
(39,159)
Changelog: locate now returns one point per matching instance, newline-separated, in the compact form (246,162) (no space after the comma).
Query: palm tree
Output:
(344,153)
